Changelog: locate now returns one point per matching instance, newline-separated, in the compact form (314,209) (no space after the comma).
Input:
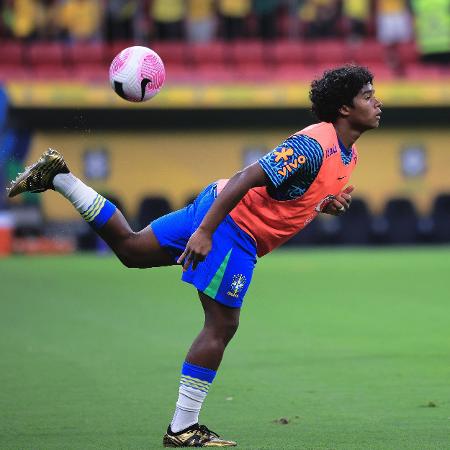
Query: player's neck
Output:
(347,135)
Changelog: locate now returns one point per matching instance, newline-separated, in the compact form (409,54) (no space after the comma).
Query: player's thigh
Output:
(172,231)
(226,272)
(148,252)
(217,314)
(140,249)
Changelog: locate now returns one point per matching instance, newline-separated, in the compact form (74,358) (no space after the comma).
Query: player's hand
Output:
(197,248)
(340,204)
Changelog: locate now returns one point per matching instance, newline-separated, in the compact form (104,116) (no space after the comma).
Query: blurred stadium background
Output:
(237,83)
(364,367)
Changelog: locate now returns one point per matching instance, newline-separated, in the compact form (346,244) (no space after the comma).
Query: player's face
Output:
(366,111)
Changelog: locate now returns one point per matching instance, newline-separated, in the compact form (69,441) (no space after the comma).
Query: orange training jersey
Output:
(308,167)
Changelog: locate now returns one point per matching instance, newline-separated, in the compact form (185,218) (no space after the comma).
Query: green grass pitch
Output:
(351,346)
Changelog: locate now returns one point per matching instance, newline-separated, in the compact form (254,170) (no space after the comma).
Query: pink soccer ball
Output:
(137,74)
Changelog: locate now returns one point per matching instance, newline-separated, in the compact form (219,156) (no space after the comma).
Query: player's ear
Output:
(344,110)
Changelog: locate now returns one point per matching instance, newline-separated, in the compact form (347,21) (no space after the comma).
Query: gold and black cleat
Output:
(39,176)
(195,436)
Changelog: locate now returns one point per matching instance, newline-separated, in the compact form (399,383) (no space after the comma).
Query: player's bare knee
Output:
(228,330)
(126,251)
(125,258)
(127,262)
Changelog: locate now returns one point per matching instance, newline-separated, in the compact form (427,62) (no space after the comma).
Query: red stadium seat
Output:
(91,72)
(171,52)
(214,73)
(11,52)
(179,73)
(408,53)
(45,53)
(424,72)
(294,72)
(381,72)
(291,52)
(319,69)
(247,52)
(445,72)
(333,52)
(113,49)
(51,72)
(85,53)
(367,52)
(13,72)
(253,72)
(212,53)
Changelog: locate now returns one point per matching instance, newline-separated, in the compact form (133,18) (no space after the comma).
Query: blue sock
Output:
(194,386)
(99,212)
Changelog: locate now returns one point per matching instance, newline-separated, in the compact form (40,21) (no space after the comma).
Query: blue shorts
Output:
(226,272)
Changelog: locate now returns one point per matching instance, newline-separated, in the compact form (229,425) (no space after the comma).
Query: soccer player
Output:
(217,238)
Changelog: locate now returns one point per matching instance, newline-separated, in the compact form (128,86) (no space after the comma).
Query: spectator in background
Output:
(81,20)
(201,20)
(356,18)
(320,18)
(120,15)
(266,14)
(394,27)
(233,14)
(432,20)
(50,28)
(293,22)
(25,18)
(6,18)
(168,19)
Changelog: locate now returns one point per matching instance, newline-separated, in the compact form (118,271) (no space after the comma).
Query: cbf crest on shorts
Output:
(237,285)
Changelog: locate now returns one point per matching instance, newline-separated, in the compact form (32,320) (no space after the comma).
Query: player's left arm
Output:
(340,203)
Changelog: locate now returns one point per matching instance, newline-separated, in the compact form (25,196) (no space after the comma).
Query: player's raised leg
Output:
(134,249)
(197,374)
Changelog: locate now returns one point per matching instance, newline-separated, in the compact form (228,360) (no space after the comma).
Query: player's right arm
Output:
(200,243)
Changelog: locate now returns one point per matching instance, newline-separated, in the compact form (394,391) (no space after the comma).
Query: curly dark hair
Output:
(336,88)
